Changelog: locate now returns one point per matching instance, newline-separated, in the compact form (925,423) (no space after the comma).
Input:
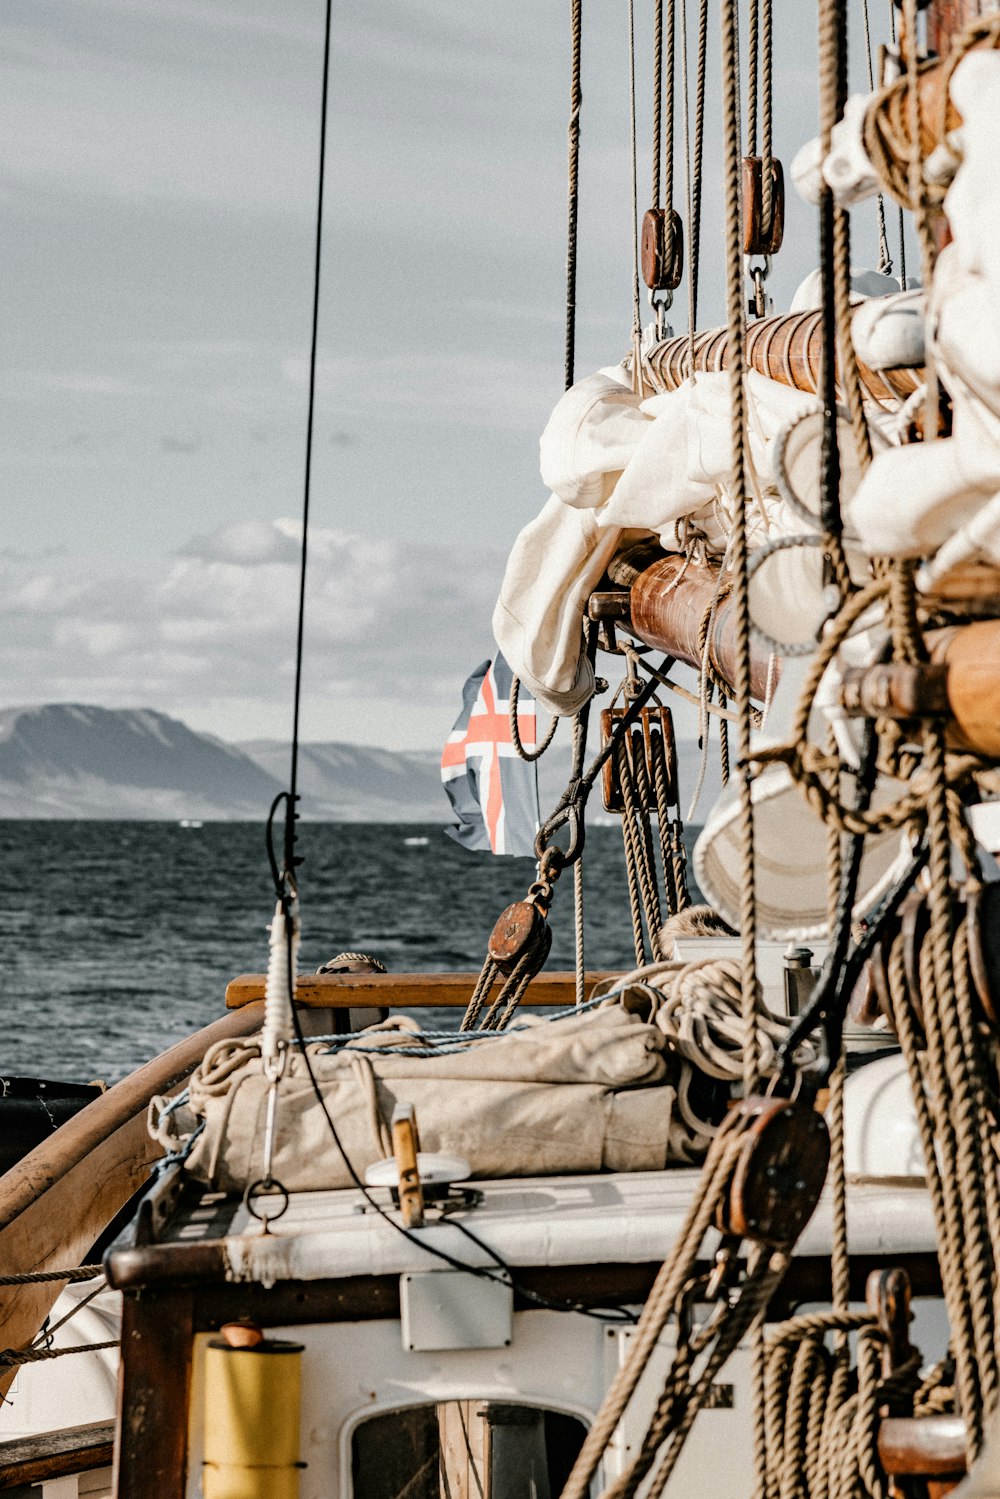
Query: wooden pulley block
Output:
(755,240)
(662,263)
(517,930)
(657,726)
(780,1171)
(983,909)
(657,730)
(611,789)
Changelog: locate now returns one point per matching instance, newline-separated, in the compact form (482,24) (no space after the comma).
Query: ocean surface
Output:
(118,938)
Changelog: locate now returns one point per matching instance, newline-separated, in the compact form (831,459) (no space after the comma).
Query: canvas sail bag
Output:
(585,1093)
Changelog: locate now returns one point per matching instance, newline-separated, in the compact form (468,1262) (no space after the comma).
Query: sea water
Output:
(117,939)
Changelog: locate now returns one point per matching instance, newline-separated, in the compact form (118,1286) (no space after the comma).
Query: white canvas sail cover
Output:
(585,1093)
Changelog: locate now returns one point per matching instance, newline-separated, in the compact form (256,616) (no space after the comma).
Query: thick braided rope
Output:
(12,1358)
(664,824)
(631,858)
(515,732)
(667,1289)
(767,106)
(976,1165)
(739,491)
(821,1439)
(753,36)
(833,89)
(668,133)
(40,1277)
(755,1294)
(635,818)
(657,99)
(949,1247)
(643,800)
(959,1047)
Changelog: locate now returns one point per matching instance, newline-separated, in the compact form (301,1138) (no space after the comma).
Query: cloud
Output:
(215,625)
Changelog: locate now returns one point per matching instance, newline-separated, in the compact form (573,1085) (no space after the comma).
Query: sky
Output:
(157,203)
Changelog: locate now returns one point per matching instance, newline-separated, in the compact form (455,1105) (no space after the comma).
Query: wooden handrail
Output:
(400,991)
(54,1454)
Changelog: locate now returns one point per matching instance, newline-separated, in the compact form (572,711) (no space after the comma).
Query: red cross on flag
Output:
(493,792)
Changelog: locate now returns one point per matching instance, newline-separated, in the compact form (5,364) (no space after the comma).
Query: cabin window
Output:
(465,1448)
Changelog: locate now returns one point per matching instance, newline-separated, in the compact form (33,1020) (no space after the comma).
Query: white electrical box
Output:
(442,1309)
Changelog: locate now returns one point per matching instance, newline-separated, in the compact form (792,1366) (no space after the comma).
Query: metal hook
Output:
(661,300)
(759,305)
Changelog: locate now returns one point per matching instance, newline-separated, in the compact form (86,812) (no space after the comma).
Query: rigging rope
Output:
(637,376)
(738,487)
(884,257)
(289,851)
(573,193)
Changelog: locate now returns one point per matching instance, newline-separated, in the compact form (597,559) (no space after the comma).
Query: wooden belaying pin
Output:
(404,1148)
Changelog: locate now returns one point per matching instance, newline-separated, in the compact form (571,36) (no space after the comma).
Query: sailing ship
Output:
(725,1224)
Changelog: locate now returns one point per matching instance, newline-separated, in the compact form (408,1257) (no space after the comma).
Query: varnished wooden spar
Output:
(401,991)
(960,683)
(947,19)
(785,348)
(669,601)
(59,1199)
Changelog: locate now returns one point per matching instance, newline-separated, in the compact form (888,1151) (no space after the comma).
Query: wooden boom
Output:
(668,604)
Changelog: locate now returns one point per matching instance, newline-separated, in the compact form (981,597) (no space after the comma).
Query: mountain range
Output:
(80,761)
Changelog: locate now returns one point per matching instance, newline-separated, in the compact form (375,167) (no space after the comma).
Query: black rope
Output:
(290,860)
(830,508)
(576,99)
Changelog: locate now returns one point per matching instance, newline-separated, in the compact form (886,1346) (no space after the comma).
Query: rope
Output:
(698,1007)
(515,732)
(579,942)
(290,820)
(657,98)
(753,42)
(10,1358)
(884,257)
(573,192)
(767,103)
(672,1277)
(40,1277)
(738,486)
(637,379)
(668,141)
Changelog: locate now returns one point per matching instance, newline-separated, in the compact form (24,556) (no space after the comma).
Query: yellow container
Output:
(252,1401)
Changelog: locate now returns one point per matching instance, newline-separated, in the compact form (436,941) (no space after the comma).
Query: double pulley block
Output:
(654,743)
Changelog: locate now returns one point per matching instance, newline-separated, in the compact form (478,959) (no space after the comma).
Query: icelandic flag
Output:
(493,792)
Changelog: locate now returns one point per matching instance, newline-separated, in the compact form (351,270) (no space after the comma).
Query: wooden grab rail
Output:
(56,1454)
(400,991)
